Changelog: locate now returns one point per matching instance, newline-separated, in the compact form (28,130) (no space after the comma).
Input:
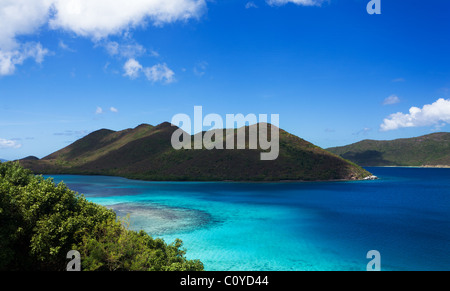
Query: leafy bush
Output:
(41,222)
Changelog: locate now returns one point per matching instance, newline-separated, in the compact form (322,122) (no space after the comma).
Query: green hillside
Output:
(428,150)
(146,153)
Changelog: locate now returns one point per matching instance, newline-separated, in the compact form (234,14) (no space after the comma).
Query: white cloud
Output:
(97,20)
(157,73)
(160,73)
(10,59)
(20,17)
(251,5)
(112,48)
(132,68)
(100,110)
(65,47)
(7,62)
(35,51)
(128,50)
(9,144)
(154,54)
(435,114)
(101,18)
(393,99)
(298,2)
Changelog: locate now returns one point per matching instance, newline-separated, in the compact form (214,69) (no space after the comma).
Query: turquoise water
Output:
(292,226)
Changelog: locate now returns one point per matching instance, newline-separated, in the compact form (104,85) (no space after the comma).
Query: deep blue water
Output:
(292,226)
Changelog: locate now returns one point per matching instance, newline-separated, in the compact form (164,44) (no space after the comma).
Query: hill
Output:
(3,160)
(31,158)
(431,150)
(146,153)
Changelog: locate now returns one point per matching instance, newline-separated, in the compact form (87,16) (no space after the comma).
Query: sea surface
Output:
(405,216)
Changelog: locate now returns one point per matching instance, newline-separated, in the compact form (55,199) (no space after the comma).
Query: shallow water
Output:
(292,226)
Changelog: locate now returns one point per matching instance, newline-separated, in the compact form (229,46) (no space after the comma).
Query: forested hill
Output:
(146,153)
(429,150)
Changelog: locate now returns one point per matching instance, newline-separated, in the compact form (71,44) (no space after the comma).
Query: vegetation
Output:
(146,153)
(41,222)
(428,150)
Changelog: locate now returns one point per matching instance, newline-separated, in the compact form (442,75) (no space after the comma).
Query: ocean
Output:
(292,226)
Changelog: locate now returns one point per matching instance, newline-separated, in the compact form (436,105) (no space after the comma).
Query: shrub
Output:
(41,222)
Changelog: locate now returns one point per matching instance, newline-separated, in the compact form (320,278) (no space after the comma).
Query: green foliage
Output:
(112,247)
(41,222)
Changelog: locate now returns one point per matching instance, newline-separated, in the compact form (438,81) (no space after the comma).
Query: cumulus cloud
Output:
(20,17)
(435,114)
(101,18)
(97,20)
(114,109)
(10,59)
(9,144)
(393,99)
(298,2)
(132,69)
(160,73)
(157,73)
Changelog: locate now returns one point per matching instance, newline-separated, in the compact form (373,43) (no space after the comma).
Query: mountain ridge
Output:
(423,151)
(146,153)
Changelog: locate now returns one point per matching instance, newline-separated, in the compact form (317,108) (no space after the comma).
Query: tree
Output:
(42,221)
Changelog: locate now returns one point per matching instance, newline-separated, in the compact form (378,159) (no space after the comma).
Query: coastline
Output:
(368,178)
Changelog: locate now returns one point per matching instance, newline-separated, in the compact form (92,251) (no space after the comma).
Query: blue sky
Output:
(335,74)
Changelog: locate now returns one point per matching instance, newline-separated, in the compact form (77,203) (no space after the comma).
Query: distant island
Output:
(146,153)
(431,150)
(3,160)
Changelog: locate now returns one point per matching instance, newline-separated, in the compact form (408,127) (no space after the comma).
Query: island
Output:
(146,153)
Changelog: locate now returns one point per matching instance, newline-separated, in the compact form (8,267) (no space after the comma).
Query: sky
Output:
(334,73)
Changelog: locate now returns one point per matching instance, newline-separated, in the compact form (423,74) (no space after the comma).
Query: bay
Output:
(294,226)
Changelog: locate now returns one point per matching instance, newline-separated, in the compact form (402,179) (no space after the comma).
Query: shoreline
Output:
(219,181)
